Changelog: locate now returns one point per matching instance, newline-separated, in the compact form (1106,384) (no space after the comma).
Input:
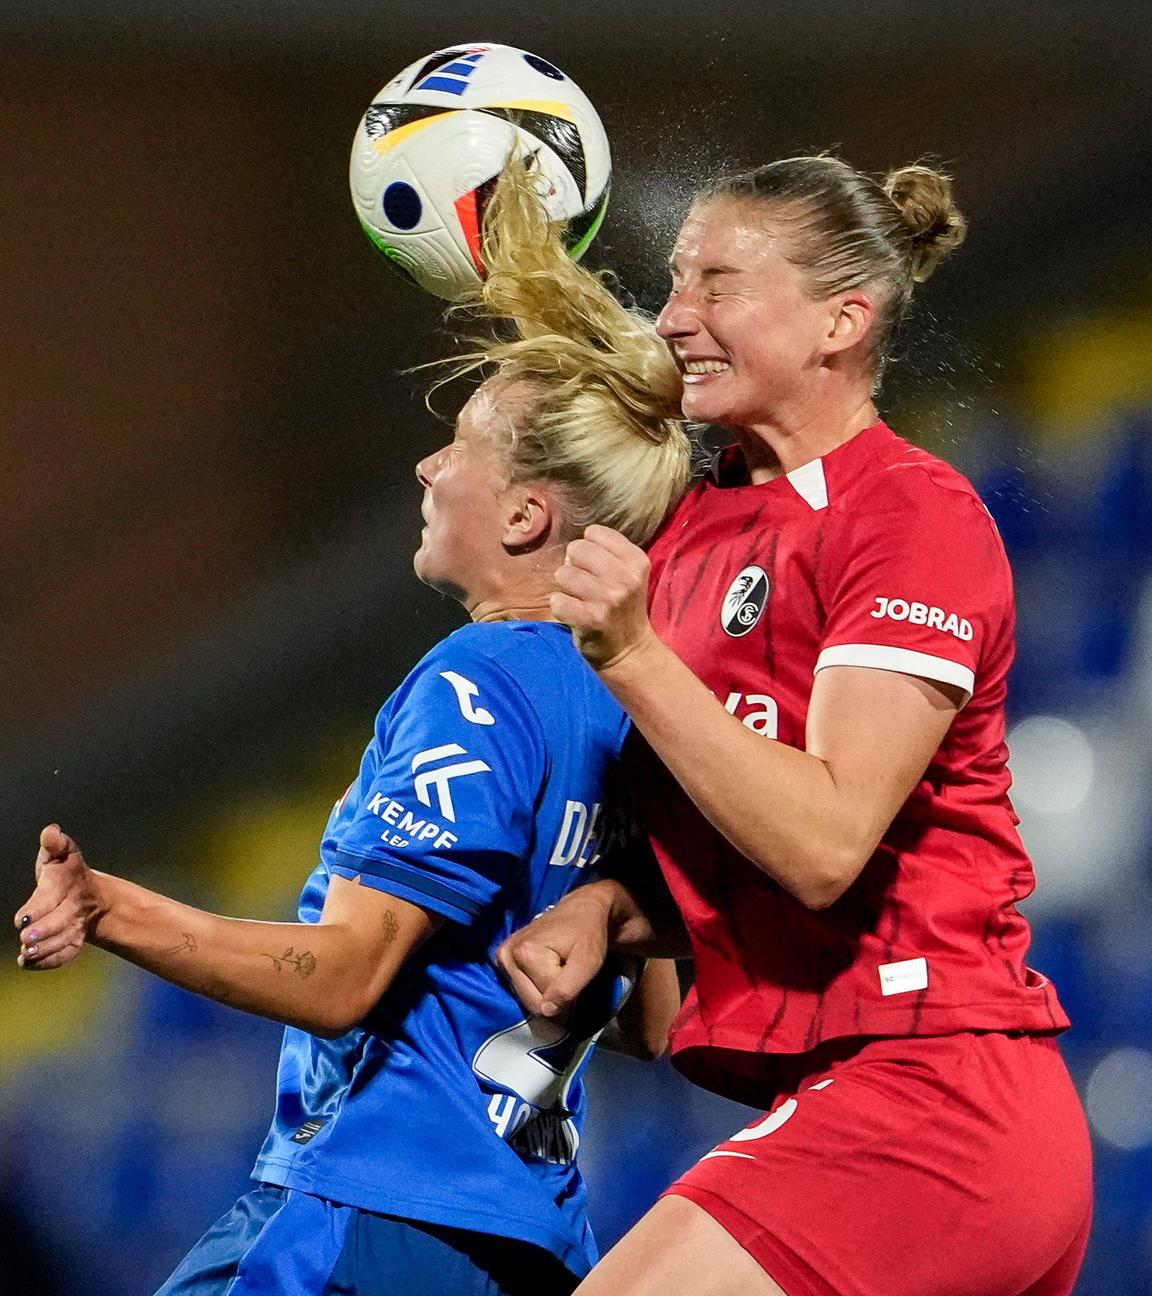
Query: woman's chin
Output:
(703,405)
(428,574)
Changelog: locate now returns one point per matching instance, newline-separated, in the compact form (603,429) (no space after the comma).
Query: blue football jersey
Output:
(484,796)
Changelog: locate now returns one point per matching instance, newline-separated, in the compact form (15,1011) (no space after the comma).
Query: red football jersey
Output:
(876,555)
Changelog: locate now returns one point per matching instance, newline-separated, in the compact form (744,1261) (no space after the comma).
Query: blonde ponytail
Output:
(605,421)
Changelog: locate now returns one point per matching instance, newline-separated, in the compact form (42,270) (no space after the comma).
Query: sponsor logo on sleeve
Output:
(308,1131)
(403,827)
(745,602)
(440,779)
(923,614)
(465,691)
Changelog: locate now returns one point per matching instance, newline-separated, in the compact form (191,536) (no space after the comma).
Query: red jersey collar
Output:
(728,470)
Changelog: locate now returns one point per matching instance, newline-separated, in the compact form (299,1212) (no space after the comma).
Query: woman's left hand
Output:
(602,593)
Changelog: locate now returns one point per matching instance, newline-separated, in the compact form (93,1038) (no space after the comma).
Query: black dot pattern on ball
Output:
(542,65)
(402,205)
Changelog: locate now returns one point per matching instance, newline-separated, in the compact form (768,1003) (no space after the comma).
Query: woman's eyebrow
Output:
(709,272)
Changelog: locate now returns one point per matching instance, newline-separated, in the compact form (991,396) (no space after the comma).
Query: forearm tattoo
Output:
(304,963)
(188,944)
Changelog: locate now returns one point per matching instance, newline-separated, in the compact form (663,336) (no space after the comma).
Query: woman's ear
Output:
(530,519)
(852,319)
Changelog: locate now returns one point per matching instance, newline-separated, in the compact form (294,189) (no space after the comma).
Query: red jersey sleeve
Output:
(917,582)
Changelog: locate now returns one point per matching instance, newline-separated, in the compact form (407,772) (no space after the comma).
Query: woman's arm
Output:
(810,819)
(640,1028)
(323,977)
(549,962)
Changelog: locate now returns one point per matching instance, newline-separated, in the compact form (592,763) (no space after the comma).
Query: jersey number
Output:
(535,1059)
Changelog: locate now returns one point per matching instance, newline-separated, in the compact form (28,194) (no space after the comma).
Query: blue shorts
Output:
(278,1242)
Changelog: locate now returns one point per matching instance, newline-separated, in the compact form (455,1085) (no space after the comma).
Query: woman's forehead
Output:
(496,403)
(725,232)
(475,409)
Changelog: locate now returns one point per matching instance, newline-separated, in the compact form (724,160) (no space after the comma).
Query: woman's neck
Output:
(791,439)
(520,589)
(490,610)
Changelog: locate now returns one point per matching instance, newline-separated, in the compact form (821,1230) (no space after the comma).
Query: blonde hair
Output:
(848,230)
(602,421)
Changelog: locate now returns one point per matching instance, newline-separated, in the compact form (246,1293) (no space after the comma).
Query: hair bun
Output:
(923,198)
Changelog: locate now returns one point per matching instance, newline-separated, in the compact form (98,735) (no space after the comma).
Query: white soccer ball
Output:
(429,149)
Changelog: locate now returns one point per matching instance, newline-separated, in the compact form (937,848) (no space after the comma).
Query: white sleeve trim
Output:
(904,660)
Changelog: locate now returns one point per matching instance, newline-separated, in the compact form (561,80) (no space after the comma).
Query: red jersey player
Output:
(821,674)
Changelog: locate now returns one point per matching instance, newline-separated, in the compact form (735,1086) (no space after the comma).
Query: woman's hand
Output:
(57,919)
(602,593)
(551,960)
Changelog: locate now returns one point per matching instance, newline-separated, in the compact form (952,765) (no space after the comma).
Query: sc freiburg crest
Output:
(745,601)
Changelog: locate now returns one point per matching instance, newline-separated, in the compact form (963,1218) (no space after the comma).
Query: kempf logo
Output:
(745,601)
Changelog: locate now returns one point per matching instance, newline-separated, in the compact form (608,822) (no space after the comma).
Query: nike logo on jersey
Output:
(923,614)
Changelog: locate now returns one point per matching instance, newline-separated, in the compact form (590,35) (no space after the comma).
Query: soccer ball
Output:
(430,148)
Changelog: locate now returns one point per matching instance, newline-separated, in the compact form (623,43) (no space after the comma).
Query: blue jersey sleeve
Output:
(443,812)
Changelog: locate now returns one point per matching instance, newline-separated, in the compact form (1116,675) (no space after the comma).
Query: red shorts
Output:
(949,1166)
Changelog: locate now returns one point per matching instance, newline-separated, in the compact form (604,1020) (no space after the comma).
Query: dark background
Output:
(206,449)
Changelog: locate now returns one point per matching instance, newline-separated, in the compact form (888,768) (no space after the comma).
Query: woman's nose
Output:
(425,470)
(676,319)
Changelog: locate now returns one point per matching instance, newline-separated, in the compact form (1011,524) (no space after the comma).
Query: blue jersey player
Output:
(426,1130)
